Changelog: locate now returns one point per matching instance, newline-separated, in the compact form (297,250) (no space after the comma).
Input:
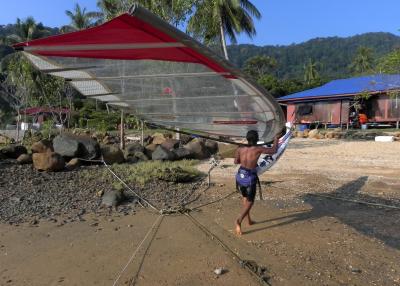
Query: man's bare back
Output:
(247,157)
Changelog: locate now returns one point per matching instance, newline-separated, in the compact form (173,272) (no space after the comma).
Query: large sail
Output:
(144,65)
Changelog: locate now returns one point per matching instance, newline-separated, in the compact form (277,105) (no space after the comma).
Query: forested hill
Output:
(332,54)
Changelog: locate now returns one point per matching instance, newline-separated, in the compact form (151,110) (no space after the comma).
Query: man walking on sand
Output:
(246,177)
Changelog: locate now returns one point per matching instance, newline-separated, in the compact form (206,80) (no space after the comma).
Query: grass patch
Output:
(145,172)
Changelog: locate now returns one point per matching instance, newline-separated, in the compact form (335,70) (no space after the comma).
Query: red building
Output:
(340,101)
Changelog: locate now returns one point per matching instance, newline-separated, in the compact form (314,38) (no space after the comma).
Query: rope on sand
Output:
(355,201)
(158,220)
(250,266)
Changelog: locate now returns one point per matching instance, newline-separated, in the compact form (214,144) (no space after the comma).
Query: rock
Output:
(212,146)
(112,198)
(226,150)
(158,139)
(4,139)
(313,133)
(42,146)
(108,140)
(68,145)
(131,160)
(306,132)
(112,155)
(319,136)
(50,161)
(73,164)
(219,271)
(182,153)
(91,148)
(130,150)
(300,134)
(198,148)
(162,154)
(24,159)
(14,151)
(140,157)
(184,138)
(170,144)
(330,135)
(149,149)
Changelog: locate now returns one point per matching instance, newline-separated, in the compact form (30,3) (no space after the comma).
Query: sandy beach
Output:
(303,235)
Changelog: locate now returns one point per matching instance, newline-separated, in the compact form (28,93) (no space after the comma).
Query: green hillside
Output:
(333,54)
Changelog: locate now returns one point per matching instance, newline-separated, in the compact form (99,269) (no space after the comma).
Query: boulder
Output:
(313,133)
(68,145)
(112,198)
(319,136)
(198,148)
(226,150)
(50,161)
(149,149)
(13,151)
(184,138)
(140,156)
(91,148)
(73,164)
(4,139)
(24,159)
(43,146)
(212,146)
(131,160)
(170,144)
(109,140)
(147,140)
(300,134)
(158,139)
(162,154)
(306,132)
(132,148)
(182,153)
(330,135)
(112,155)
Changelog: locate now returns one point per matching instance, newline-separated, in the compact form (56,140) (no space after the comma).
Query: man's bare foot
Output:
(251,222)
(238,228)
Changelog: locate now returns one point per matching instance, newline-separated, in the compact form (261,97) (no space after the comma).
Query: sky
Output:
(283,22)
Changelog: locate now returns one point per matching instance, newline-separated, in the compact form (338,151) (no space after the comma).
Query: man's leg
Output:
(249,220)
(245,212)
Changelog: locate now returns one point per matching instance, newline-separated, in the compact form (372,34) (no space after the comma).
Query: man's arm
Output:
(237,156)
(270,150)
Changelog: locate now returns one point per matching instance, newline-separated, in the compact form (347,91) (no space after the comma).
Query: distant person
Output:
(246,177)
(362,118)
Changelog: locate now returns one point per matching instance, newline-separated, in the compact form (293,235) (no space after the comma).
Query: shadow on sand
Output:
(379,223)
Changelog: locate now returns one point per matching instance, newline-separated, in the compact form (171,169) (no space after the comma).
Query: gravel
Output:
(27,195)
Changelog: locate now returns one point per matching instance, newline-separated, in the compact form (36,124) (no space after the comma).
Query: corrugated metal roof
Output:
(372,83)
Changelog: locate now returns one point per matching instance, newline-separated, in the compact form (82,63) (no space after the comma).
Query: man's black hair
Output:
(252,137)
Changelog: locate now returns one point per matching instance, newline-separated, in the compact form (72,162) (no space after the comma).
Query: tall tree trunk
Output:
(223,41)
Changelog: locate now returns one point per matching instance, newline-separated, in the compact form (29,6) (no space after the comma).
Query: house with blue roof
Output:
(338,102)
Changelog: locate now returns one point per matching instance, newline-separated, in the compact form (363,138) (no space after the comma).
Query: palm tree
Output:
(310,72)
(363,61)
(216,19)
(172,11)
(80,19)
(26,30)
